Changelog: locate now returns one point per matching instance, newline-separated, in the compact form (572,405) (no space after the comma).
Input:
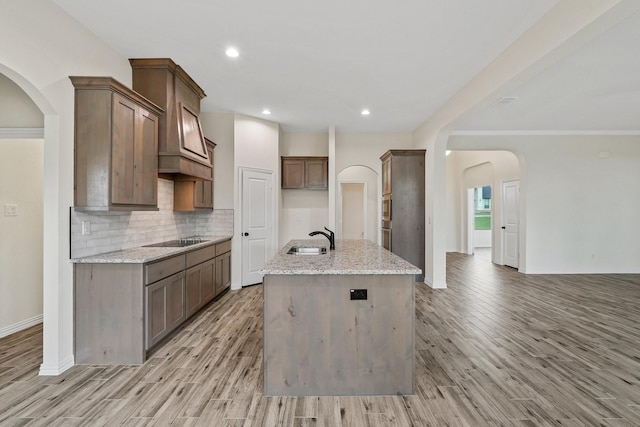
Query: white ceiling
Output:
(318,64)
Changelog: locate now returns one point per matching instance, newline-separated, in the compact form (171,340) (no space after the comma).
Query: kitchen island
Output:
(339,323)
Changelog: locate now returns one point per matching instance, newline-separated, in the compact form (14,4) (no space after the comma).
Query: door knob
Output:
(245,234)
(503,227)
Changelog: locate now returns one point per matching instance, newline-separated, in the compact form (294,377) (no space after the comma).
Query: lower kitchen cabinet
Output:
(223,272)
(122,310)
(165,308)
(200,285)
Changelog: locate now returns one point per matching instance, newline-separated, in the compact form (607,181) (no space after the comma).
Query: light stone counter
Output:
(349,257)
(141,254)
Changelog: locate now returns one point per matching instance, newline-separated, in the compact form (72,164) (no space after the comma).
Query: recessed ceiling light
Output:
(447,152)
(266,112)
(232,52)
(365,112)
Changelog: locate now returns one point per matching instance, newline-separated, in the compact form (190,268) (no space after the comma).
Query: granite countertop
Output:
(141,254)
(349,257)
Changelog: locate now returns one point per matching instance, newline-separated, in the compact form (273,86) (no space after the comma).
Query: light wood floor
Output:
(495,348)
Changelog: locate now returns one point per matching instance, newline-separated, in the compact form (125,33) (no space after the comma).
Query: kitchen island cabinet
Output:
(340,323)
(127,302)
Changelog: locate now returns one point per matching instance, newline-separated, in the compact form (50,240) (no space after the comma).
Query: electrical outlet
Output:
(358,294)
(10,210)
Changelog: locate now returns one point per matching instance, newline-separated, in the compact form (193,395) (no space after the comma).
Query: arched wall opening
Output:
(358,174)
(21,199)
(468,169)
(51,230)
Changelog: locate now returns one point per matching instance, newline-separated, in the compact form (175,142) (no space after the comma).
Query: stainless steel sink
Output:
(298,250)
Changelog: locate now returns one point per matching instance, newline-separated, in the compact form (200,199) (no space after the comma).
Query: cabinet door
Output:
(160,299)
(223,272)
(204,189)
(194,289)
(134,154)
(316,174)
(123,151)
(226,270)
(208,281)
(146,160)
(176,307)
(292,173)
(386,176)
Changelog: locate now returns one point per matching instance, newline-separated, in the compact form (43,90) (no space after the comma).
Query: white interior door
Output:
(257,220)
(510,218)
(354,210)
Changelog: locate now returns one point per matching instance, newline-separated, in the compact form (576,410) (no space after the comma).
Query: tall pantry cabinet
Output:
(403,186)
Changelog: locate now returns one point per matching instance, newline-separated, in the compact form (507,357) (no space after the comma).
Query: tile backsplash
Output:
(112,231)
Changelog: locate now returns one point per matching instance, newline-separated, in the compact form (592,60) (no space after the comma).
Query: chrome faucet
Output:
(330,236)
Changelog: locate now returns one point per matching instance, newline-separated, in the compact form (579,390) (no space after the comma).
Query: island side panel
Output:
(317,341)
(109,314)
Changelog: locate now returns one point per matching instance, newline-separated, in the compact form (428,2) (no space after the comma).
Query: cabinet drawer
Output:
(161,269)
(223,247)
(200,255)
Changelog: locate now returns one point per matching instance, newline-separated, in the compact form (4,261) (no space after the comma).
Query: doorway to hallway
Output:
(479,219)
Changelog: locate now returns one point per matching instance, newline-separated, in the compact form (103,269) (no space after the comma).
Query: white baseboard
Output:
(55,370)
(432,285)
(21,325)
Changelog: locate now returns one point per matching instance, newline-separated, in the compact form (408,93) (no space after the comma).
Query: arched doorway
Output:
(51,230)
(365,180)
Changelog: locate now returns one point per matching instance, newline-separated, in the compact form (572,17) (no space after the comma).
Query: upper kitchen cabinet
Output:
(192,195)
(116,147)
(182,151)
(309,173)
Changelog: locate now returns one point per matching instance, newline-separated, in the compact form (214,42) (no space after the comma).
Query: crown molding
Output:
(21,133)
(544,132)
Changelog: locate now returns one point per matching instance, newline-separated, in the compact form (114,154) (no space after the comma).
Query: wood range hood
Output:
(182,152)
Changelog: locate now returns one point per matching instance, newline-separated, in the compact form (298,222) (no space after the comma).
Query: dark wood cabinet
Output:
(116,147)
(223,267)
(182,152)
(403,219)
(189,196)
(310,173)
(122,310)
(165,309)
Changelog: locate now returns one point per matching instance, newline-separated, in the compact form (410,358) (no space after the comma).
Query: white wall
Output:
(17,110)
(578,209)
(40,47)
(365,149)
(21,183)
(302,211)
(255,146)
(218,127)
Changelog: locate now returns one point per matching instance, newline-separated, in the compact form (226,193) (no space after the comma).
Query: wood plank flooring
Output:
(497,348)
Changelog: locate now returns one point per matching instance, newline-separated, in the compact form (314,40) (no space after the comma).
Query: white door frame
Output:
(364,205)
(271,245)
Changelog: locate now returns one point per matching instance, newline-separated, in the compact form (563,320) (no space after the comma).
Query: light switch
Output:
(86,227)
(10,210)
